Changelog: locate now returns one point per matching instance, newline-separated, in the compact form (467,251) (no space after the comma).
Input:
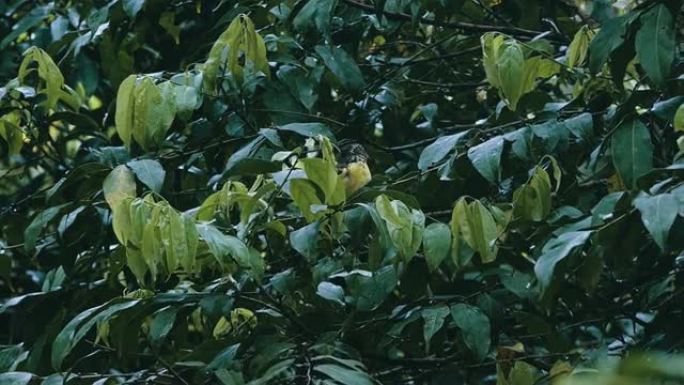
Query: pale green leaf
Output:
(119,185)
(304,195)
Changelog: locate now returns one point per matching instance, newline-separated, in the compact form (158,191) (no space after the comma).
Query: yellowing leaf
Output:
(240,40)
(118,185)
(47,71)
(579,47)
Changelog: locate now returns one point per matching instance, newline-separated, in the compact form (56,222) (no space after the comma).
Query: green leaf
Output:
(331,292)
(405,227)
(555,251)
(655,43)
(37,225)
(227,249)
(71,335)
(315,12)
(486,158)
(510,70)
(324,174)
(15,378)
(132,7)
(482,232)
(343,66)
(532,201)
(608,39)
(368,290)
(12,133)
(522,373)
(149,172)
(433,320)
(34,17)
(308,129)
(579,47)
(125,105)
(491,42)
(436,244)
(119,185)
(632,151)
(475,328)
(304,195)
(47,71)
(679,119)
(344,375)
(161,325)
(305,240)
(438,150)
(186,98)
(153,114)
(239,48)
(658,214)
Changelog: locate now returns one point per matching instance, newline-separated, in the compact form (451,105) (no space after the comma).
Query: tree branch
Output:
(462,25)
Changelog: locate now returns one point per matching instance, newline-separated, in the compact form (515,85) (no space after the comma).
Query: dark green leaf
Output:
(555,251)
(655,43)
(149,172)
(658,214)
(475,328)
(343,66)
(632,151)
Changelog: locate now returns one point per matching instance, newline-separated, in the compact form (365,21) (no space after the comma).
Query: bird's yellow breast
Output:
(356,175)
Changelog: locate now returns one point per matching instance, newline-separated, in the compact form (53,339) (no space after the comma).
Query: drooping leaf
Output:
(579,47)
(125,104)
(239,48)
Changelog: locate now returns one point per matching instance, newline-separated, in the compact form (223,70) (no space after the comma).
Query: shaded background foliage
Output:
(524,219)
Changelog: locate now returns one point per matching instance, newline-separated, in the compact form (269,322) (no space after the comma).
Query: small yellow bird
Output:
(353,166)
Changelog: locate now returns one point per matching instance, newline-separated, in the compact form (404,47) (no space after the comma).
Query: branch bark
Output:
(462,25)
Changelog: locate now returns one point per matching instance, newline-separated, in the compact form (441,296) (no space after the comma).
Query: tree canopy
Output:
(173,209)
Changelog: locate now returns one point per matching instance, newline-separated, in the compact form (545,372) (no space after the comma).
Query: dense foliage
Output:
(172,209)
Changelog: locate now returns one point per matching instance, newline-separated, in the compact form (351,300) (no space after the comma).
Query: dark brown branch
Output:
(461,25)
